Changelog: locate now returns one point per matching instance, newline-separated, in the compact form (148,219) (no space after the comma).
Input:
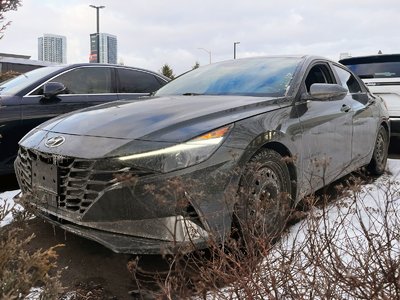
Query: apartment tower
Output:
(52,48)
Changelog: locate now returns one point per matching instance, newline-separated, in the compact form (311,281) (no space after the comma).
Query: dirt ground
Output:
(92,271)
(85,265)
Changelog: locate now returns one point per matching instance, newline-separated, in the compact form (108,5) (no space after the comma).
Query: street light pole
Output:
(98,30)
(234,49)
(209,54)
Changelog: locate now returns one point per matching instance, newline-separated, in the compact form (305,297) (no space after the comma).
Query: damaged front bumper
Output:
(129,244)
(131,211)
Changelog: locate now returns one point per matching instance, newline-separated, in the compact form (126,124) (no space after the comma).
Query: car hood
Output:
(162,119)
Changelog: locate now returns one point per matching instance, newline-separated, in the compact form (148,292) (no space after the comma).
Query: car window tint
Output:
(348,81)
(318,74)
(376,70)
(133,81)
(90,80)
(374,66)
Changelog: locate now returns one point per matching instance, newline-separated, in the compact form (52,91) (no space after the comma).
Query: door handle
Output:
(345,108)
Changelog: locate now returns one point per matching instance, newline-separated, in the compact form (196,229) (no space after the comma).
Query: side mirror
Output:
(51,89)
(327,91)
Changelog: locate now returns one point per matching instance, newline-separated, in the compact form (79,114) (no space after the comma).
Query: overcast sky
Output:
(153,32)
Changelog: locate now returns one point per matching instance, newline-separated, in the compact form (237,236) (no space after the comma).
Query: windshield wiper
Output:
(366,76)
(191,94)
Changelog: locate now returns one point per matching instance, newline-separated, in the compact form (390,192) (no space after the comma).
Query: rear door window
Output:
(135,81)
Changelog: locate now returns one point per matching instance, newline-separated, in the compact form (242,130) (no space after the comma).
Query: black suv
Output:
(36,96)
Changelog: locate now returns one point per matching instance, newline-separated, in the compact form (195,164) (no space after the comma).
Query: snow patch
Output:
(6,204)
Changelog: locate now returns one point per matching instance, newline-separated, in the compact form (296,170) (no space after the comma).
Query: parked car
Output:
(41,94)
(381,73)
(178,169)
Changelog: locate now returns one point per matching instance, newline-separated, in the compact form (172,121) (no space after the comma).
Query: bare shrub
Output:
(8,75)
(344,249)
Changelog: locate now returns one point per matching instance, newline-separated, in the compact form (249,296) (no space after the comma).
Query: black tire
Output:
(377,164)
(264,200)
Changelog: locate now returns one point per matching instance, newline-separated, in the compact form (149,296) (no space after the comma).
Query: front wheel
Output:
(264,196)
(377,164)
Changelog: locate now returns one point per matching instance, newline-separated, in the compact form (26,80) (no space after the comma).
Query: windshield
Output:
(17,84)
(264,76)
(376,70)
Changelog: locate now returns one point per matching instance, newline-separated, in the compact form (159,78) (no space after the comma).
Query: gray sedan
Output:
(212,150)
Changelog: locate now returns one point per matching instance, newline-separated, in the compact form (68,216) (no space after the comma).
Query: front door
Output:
(327,133)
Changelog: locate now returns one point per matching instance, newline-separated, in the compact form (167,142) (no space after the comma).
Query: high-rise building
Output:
(108,48)
(52,48)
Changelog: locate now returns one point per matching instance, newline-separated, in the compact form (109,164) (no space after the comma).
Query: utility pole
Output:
(234,49)
(98,30)
(209,54)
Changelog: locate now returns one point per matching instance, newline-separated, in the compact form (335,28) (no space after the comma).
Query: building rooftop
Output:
(14,55)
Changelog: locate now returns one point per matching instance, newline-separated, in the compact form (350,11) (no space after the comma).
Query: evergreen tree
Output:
(167,71)
(196,65)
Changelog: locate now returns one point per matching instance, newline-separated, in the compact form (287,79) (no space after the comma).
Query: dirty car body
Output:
(157,175)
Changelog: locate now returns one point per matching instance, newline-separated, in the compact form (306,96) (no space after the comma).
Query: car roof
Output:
(371,59)
(71,66)
(303,57)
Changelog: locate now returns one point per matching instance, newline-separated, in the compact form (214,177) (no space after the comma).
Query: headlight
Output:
(180,156)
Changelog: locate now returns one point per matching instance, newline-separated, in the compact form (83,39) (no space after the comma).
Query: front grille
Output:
(80,181)
(23,170)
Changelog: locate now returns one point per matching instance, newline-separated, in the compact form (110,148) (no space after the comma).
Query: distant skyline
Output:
(52,48)
(154,32)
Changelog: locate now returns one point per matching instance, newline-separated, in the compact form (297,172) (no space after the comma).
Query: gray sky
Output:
(153,32)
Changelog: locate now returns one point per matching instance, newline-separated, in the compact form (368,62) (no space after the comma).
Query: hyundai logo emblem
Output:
(54,141)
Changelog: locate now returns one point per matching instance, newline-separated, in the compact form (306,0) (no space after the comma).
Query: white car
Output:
(381,73)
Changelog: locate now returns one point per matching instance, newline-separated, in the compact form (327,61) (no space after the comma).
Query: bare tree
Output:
(5,6)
